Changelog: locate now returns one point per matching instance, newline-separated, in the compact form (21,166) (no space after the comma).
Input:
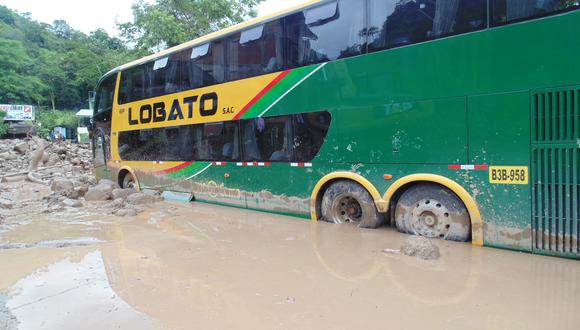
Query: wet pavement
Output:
(198,266)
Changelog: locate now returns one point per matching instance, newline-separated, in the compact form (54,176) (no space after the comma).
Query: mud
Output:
(194,265)
(131,261)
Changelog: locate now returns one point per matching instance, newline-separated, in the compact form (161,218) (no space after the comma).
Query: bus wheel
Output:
(128,181)
(346,201)
(433,211)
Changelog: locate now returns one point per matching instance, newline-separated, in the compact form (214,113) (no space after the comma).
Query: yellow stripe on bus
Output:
(190,107)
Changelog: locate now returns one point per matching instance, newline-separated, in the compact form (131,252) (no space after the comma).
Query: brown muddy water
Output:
(197,266)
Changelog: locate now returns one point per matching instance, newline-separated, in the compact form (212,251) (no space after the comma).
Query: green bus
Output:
(451,119)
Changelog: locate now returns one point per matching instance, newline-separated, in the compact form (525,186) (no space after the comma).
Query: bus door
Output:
(101,133)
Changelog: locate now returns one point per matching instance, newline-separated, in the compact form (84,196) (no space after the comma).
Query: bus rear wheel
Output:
(347,201)
(128,182)
(432,211)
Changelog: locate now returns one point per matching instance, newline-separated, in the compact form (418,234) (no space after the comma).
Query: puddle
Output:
(70,295)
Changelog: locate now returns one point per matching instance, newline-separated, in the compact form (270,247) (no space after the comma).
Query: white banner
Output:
(17,112)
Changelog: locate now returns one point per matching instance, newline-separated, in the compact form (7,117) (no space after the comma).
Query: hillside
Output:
(53,65)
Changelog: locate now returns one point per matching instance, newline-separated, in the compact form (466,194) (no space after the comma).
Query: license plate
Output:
(508,174)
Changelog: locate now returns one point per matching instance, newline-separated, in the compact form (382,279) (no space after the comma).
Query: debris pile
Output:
(65,171)
(39,161)
(106,197)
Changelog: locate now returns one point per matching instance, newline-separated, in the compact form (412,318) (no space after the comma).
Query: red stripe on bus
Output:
(175,169)
(262,93)
(481,167)
(454,167)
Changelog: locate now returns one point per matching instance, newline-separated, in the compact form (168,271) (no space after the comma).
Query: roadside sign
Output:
(17,112)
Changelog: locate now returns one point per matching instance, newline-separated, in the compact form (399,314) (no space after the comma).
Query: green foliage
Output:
(53,65)
(49,119)
(3,126)
(167,23)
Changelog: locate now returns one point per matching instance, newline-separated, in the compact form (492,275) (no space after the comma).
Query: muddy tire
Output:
(346,201)
(433,211)
(128,181)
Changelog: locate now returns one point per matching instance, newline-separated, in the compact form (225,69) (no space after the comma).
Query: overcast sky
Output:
(88,15)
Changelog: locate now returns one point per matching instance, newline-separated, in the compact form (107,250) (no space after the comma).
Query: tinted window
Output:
(143,145)
(157,77)
(132,87)
(275,139)
(309,132)
(178,78)
(106,94)
(216,141)
(394,23)
(506,11)
(328,32)
(206,65)
(267,139)
(256,51)
(179,145)
(295,138)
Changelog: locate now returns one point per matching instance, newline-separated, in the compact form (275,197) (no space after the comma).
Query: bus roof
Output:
(215,35)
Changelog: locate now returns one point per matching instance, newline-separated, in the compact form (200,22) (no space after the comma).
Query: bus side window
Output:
(106,94)
(178,77)
(132,87)
(207,64)
(393,23)
(166,77)
(324,33)
(507,11)
(267,139)
(309,133)
(216,141)
(256,51)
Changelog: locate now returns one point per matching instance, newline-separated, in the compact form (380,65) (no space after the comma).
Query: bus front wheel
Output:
(432,211)
(128,182)
(347,201)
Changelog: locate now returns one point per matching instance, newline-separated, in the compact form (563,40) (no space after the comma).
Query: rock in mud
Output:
(116,204)
(126,212)
(61,185)
(141,199)
(102,191)
(6,204)
(99,193)
(108,183)
(79,191)
(6,156)
(72,203)
(21,147)
(420,246)
(122,193)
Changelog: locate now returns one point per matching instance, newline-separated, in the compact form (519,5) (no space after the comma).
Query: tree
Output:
(167,23)
(16,84)
(53,65)
(3,126)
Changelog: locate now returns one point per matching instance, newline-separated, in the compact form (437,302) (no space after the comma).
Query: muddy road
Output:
(77,254)
(197,266)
